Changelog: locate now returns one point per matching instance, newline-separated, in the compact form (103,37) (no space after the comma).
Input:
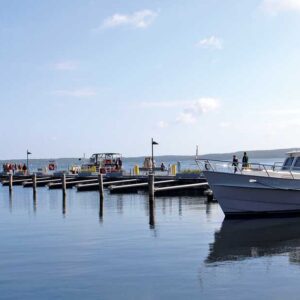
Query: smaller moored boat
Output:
(104,163)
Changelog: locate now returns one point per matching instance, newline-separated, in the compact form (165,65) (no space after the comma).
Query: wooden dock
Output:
(133,188)
(163,185)
(95,186)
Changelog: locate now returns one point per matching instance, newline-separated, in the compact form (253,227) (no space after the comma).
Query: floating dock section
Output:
(166,185)
(95,186)
(129,188)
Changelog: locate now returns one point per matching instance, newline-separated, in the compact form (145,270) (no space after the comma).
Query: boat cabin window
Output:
(287,164)
(297,164)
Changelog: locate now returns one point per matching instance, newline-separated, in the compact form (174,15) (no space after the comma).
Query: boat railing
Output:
(278,165)
(274,170)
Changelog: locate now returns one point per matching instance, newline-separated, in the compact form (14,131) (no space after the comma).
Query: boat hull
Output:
(252,196)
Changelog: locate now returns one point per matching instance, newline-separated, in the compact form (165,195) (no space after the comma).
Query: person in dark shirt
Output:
(235,163)
(245,160)
(24,169)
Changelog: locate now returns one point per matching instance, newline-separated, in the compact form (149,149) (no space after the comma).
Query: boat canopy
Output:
(295,153)
(107,158)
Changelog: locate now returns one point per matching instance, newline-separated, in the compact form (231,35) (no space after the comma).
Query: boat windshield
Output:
(296,165)
(288,163)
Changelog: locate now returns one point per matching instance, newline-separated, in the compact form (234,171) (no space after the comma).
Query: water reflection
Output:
(34,201)
(180,206)
(120,204)
(243,239)
(294,257)
(208,208)
(64,204)
(151,213)
(10,202)
(101,200)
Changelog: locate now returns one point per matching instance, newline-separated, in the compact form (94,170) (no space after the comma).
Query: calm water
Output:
(51,251)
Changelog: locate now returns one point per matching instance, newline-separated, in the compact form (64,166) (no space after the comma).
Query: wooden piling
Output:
(34,183)
(10,183)
(151,185)
(63,184)
(101,190)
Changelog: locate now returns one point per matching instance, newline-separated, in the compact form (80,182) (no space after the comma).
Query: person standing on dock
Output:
(235,163)
(24,169)
(245,160)
(120,163)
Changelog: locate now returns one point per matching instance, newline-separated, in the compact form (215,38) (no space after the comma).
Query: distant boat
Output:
(104,163)
(255,190)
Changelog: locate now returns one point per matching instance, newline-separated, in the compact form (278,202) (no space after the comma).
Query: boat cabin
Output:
(292,162)
(104,163)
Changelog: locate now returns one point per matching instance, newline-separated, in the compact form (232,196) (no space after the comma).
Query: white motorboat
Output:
(255,190)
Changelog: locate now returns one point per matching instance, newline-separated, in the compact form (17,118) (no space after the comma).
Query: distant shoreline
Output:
(253,154)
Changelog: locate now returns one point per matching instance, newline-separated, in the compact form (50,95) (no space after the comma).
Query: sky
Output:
(85,76)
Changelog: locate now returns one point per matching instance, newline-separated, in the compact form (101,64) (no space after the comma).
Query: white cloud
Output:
(65,65)
(204,105)
(80,93)
(186,118)
(162,124)
(139,19)
(189,111)
(201,105)
(276,6)
(195,109)
(211,42)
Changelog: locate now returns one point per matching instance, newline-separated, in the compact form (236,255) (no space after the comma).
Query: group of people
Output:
(149,165)
(245,162)
(12,168)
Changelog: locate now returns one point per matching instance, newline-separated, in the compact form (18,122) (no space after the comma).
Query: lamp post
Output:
(152,155)
(28,153)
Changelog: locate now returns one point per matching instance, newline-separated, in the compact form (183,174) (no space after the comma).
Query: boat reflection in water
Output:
(245,239)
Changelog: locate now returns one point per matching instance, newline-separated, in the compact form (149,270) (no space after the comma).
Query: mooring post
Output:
(34,183)
(64,185)
(209,195)
(151,185)
(101,190)
(10,182)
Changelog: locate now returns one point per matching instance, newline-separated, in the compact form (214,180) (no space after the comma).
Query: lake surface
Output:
(181,250)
